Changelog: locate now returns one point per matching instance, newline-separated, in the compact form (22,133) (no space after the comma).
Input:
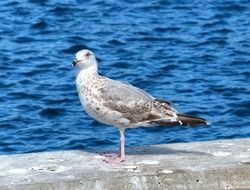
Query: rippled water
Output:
(195,54)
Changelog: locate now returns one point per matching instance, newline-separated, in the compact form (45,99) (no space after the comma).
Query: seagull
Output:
(121,104)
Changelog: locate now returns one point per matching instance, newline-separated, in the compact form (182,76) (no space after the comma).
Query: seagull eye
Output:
(87,54)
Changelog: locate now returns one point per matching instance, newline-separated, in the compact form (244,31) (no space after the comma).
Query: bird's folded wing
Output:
(135,104)
(125,92)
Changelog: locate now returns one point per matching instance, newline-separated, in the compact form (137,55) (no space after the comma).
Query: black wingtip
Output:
(191,120)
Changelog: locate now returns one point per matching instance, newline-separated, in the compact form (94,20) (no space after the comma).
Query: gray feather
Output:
(121,91)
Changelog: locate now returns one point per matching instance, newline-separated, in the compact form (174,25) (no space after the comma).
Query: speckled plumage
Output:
(121,104)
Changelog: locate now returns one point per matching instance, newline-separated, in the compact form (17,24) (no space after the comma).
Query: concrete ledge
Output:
(199,165)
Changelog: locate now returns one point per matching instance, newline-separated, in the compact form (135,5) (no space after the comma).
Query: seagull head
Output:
(84,59)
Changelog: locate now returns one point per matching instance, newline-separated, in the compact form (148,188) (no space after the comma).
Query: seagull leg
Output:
(122,144)
(118,158)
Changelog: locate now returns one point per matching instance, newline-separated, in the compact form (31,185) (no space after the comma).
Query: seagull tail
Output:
(191,120)
(182,119)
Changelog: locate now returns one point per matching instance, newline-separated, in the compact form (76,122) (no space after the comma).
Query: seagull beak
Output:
(74,63)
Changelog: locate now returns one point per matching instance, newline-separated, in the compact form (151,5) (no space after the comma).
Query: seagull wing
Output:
(140,108)
(135,104)
(121,91)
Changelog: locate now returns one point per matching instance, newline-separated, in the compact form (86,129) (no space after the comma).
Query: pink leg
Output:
(122,144)
(115,159)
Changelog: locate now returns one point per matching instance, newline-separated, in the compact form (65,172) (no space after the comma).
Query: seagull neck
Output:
(89,70)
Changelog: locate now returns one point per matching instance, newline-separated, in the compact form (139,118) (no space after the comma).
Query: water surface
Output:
(195,54)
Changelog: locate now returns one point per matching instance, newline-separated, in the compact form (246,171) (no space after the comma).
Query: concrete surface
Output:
(199,165)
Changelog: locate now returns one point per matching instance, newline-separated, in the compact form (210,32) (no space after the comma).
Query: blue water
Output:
(195,54)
